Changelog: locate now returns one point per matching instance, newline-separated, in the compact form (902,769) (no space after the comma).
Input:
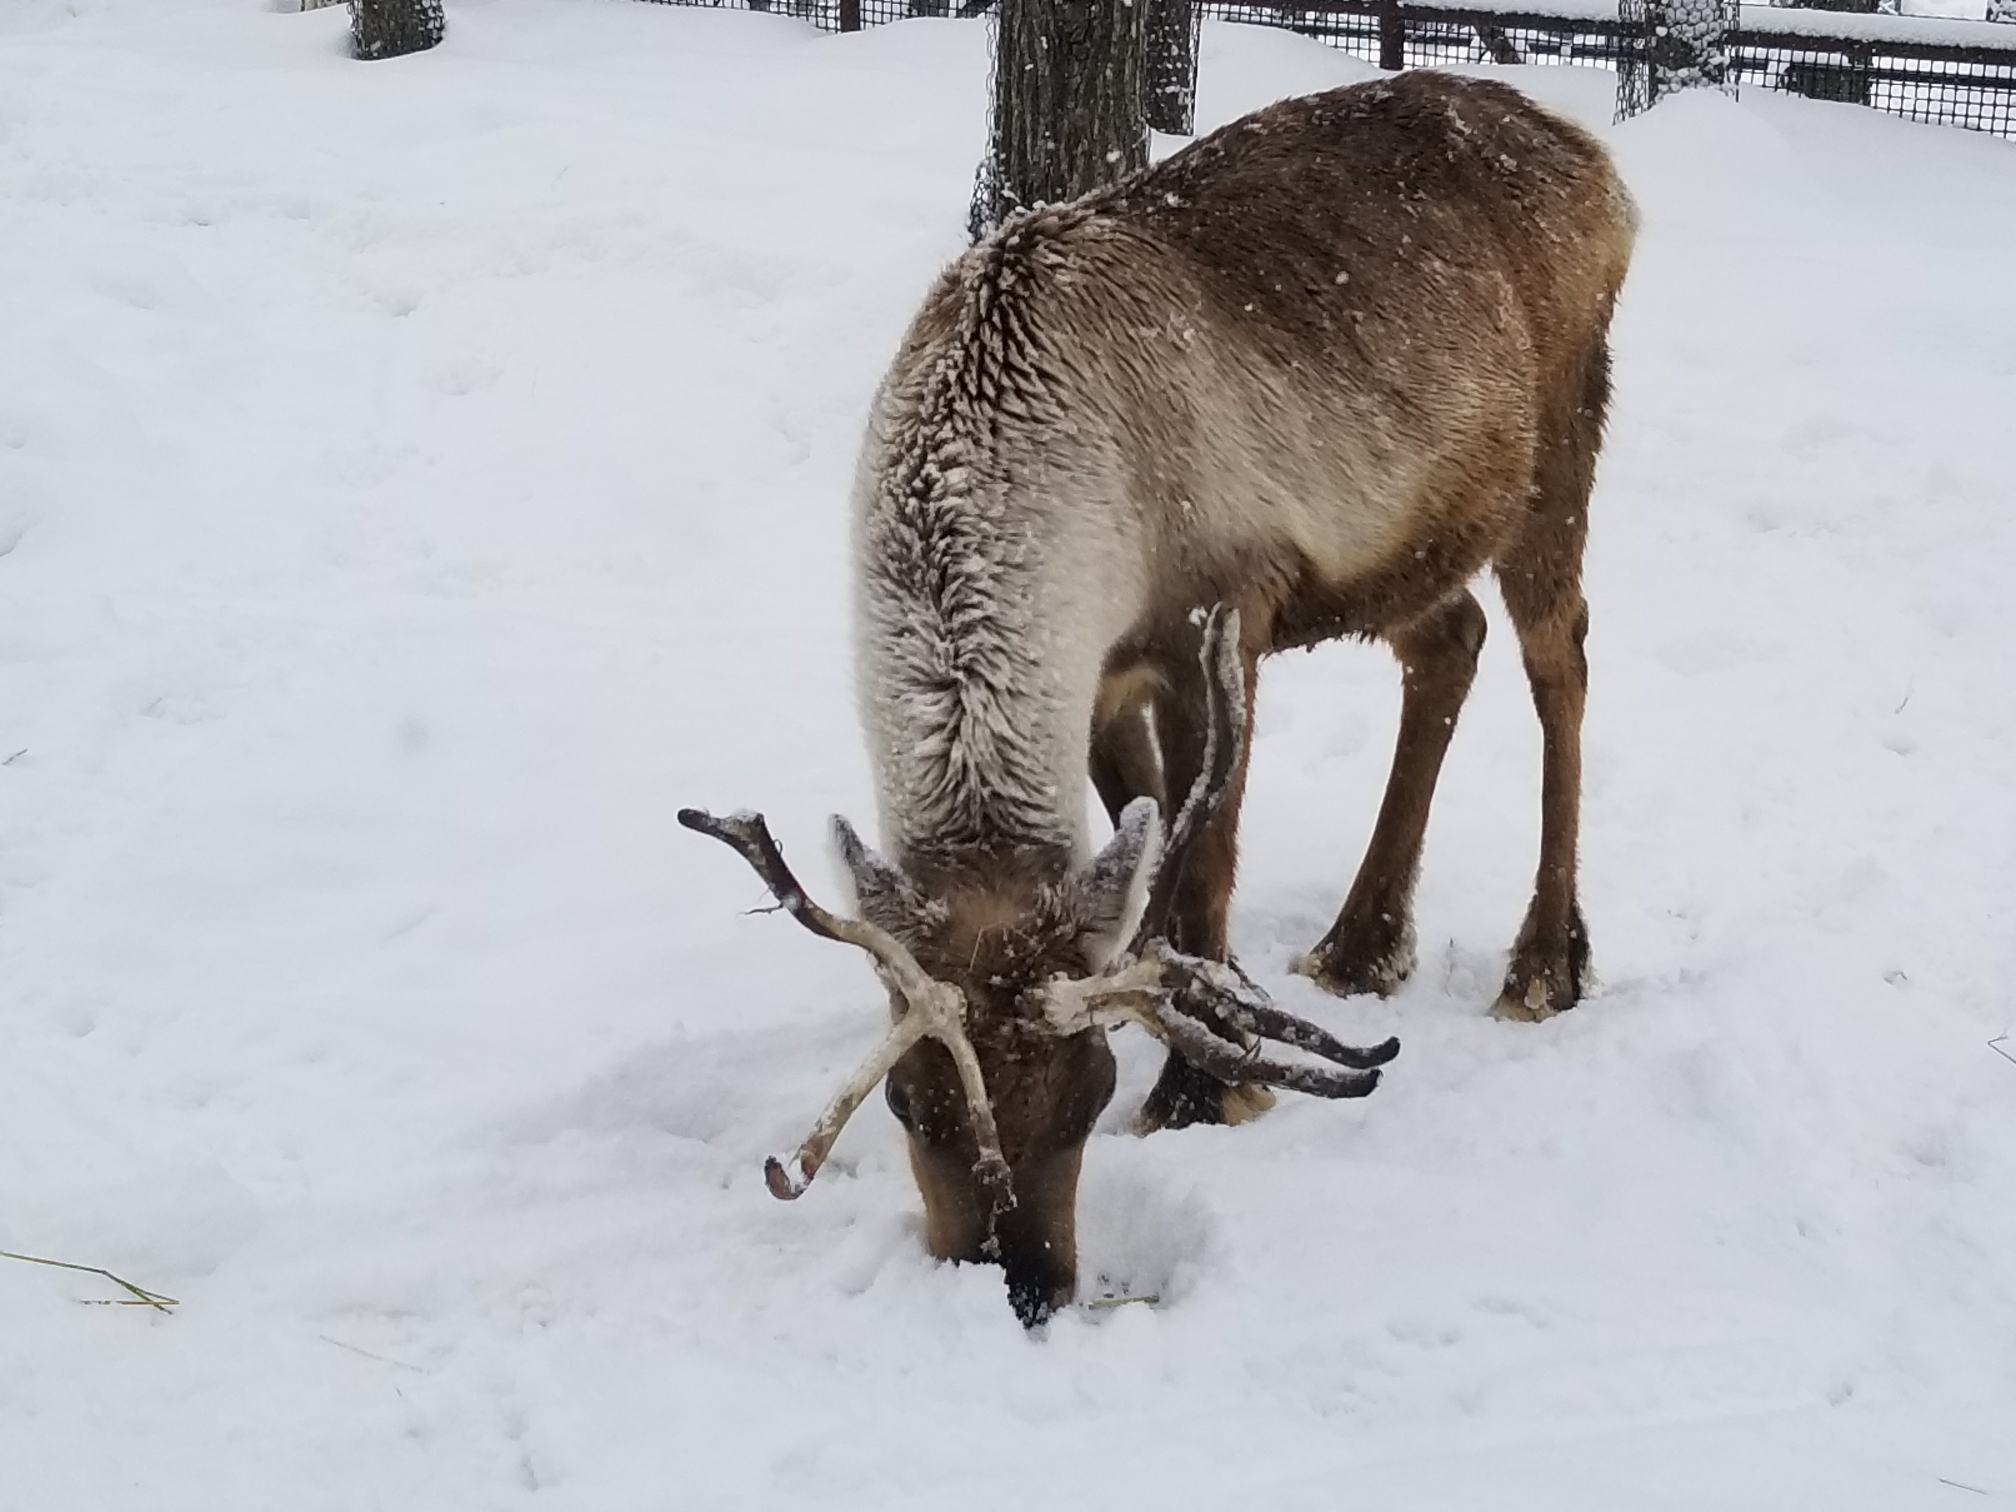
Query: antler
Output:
(935,1010)
(1182,999)
(1224,743)
(1186,1001)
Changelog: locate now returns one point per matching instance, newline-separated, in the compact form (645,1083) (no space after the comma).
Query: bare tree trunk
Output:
(390,28)
(1067,104)
(1170,94)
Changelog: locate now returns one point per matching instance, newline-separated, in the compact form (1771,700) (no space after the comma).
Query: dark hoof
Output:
(1348,969)
(1183,1096)
(1036,1298)
(1535,1003)
(1542,983)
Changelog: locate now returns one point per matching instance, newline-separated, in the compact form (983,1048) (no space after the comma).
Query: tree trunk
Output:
(390,28)
(1675,45)
(1067,104)
(1170,95)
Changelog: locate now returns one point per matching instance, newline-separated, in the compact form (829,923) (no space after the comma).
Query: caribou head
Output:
(1006,974)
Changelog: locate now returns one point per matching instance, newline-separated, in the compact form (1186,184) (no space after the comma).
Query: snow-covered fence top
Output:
(1956,73)
(1925,68)
(1913,31)
(1598,11)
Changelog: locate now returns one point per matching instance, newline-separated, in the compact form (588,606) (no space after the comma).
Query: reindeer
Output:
(1304,380)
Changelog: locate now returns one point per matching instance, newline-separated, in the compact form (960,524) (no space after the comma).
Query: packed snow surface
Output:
(418,479)
(1932,28)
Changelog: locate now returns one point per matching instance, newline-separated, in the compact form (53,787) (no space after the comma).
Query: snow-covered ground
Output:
(418,479)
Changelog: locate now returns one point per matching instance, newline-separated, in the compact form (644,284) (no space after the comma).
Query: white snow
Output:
(1935,29)
(420,478)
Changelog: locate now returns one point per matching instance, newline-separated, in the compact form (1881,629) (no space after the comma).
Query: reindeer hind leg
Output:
(1541,577)
(1371,946)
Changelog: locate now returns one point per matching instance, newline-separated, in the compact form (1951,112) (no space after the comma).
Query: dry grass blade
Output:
(141,1296)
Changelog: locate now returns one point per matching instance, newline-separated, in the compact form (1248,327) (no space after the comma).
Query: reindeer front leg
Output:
(1184,1094)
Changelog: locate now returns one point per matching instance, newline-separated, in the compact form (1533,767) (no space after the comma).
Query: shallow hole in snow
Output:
(1136,1238)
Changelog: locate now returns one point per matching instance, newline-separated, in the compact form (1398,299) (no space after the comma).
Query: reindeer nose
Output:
(1035,1291)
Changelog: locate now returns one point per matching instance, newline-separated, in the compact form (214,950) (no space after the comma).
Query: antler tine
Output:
(750,837)
(1269,1022)
(1224,744)
(1073,1007)
(936,1010)
(1196,1043)
(1182,1000)
(1244,1004)
(1186,1001)
(786,1183)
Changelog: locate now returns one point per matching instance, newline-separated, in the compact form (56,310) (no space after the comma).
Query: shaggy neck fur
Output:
(980,640)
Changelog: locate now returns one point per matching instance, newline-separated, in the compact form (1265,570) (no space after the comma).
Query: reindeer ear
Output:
(1108,893)
(882,894)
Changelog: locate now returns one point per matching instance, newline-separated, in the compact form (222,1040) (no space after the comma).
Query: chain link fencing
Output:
(1952,73)
(1676,45)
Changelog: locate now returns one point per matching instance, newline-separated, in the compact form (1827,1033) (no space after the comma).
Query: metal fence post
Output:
(1169,88)
(1392,35)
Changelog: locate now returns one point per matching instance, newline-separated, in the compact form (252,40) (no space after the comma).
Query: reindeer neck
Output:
(979,658)
(997,564)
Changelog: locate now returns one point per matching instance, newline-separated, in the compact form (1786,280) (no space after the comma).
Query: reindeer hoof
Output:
(1533,994)
(1244,1102)
(1347,973)
(1541,981)
(1533,1006)
(1183,1096)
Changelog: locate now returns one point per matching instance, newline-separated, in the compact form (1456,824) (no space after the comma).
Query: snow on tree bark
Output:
(1067,104)
(392,28)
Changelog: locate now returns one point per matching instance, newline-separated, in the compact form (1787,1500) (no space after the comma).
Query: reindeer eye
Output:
(899,1102)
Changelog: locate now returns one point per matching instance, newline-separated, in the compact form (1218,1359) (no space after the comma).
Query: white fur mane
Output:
(976,661)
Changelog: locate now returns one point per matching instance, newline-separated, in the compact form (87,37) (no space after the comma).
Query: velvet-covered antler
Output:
(933,1010)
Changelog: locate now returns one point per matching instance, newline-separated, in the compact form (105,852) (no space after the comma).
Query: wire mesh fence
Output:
(849,15)
(1969,87)
(1415,35)
(1675,45)
(1655,46)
